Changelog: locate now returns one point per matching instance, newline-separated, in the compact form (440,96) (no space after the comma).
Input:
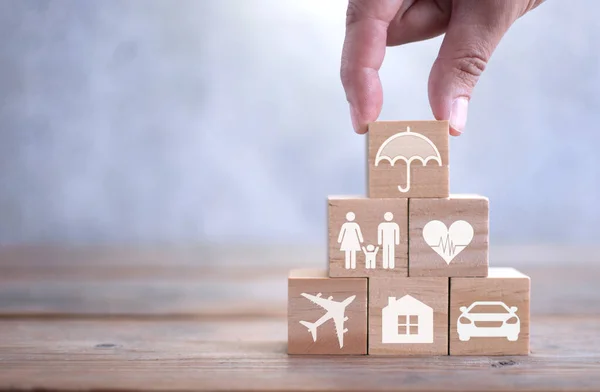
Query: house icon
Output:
(406,320)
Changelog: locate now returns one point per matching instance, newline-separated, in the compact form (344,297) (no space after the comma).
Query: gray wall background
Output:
(224,121)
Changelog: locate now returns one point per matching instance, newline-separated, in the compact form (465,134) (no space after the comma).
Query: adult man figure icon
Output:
(388,236)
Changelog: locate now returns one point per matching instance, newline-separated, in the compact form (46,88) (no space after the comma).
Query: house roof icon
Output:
(407,305)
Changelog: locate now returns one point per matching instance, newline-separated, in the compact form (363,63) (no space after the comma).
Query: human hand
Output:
(473,29)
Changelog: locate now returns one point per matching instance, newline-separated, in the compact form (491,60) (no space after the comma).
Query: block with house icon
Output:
(414,256)
(406,320)
(408,316)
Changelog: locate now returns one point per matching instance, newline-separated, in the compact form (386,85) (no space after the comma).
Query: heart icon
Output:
(448,243)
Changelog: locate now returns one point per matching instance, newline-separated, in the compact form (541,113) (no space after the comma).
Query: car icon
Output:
(488,319)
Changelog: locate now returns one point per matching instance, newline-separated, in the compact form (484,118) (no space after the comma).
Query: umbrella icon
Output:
(408,147)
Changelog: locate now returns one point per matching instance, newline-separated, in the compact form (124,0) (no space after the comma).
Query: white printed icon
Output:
(448,242)
(370,256)
(334,311)
(488,319)
(351,238)
(388,236)
(406,320)
(408,147)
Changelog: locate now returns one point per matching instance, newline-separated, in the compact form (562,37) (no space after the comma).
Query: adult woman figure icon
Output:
(350,239)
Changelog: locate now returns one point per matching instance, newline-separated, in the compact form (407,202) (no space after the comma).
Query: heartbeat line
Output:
(448,246)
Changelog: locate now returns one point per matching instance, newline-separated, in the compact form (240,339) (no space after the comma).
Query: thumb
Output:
(474,30)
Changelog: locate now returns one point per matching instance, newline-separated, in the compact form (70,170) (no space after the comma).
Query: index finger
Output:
(367,22)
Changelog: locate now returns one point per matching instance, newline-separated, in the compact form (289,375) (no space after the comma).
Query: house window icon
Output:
(408,325)
(406,320)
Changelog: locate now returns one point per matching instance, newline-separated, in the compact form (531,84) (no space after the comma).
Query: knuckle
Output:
(356,11)
(469,67)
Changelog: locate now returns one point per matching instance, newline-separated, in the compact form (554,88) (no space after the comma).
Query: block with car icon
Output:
(490,315)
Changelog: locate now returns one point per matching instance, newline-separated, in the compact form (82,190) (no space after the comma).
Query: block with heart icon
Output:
(490,316)
(449,236)
(367,237)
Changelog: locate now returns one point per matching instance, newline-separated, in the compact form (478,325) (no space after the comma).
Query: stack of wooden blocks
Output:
(408,265)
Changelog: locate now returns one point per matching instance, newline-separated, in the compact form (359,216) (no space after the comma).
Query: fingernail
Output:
(458,114)
(354,117)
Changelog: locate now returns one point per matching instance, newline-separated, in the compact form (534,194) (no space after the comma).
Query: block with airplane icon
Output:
(408,316)
(408,159)
(448,236)
(490,315)
(326,315)
(367,237)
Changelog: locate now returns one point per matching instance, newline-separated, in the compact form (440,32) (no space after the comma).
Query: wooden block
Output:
(368,237)
(408,159)
(449,237)
(408,316)
(326,316)
(490,316)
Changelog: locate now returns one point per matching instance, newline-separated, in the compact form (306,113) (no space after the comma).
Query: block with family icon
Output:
(408,264)
(367,237)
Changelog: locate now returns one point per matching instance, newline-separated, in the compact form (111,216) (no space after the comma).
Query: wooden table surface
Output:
(212,318)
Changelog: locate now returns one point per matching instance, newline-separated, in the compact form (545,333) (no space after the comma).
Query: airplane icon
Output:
(335,310)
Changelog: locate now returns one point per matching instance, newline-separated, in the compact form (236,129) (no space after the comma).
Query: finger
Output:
(422,20)
(362,55)
(474,31)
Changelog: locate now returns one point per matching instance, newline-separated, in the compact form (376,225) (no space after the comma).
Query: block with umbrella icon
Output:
(408,159)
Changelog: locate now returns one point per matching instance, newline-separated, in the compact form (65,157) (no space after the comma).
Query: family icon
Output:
(351,240)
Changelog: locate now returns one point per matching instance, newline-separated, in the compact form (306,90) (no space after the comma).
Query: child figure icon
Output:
(370,256)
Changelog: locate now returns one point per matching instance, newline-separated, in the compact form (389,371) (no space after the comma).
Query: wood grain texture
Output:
(369,216)
(505,285)
(433,292)
(127,334)
(302,309)
(156,296)
(430,180)
(151,258)
(473,260)
(242,355)
(62,282)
